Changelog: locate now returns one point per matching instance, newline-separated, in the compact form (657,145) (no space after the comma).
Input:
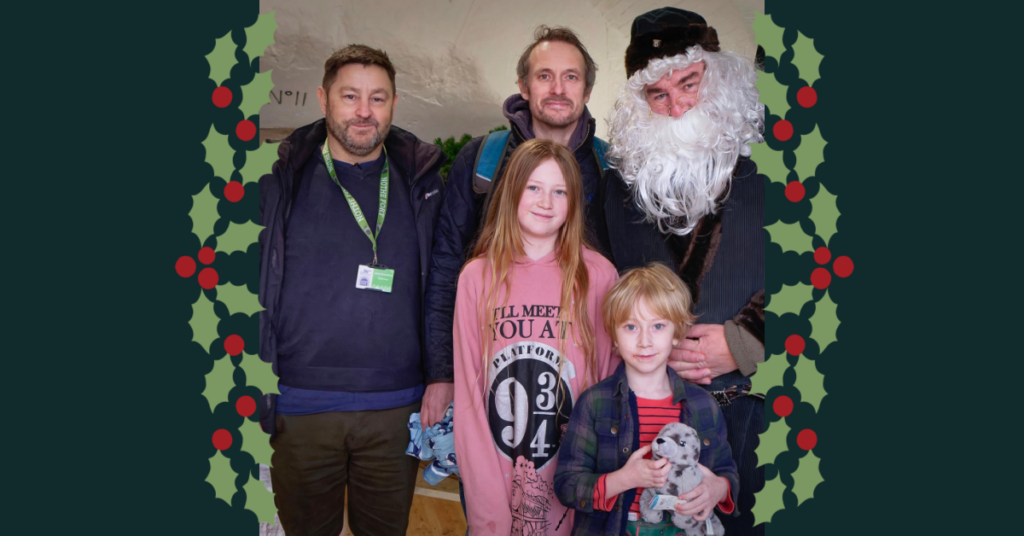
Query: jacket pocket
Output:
(608,432)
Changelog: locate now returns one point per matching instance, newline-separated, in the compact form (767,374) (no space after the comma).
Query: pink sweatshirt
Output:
(506,441)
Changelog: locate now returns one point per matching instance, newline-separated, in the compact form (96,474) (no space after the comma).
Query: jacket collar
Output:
(678,384)
(405,150)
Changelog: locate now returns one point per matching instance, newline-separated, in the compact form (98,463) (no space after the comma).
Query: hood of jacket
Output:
(517,111)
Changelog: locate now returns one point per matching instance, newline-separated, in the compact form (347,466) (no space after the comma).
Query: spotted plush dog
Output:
(679,444)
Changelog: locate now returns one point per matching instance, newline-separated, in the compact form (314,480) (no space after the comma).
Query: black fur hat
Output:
(666,32)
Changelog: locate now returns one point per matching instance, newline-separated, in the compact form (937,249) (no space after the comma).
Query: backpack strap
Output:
(488,158)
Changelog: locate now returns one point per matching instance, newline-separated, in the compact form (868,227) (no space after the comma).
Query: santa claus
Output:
(684,192)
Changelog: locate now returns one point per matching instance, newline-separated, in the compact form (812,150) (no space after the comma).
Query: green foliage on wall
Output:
(451,148)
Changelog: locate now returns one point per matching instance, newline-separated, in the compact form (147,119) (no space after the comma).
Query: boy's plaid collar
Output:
(678,384)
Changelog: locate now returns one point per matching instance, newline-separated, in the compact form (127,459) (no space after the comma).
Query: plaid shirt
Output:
(601,436)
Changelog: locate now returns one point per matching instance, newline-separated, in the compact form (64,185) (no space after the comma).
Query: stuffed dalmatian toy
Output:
(679,444)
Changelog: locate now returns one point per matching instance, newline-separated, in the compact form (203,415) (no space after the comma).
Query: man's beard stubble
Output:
(340,133)
(556,122)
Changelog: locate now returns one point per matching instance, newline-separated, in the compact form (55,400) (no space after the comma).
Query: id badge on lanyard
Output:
(371,276)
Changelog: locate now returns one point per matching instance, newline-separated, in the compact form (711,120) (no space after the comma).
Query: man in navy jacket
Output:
(349,212)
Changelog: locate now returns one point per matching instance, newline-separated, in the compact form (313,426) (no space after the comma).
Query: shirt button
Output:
(615,430)
(707,442)
(625,450)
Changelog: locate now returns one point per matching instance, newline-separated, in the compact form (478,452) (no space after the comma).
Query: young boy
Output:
(605,463)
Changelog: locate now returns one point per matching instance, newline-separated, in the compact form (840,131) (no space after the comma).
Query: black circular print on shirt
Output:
(528,403)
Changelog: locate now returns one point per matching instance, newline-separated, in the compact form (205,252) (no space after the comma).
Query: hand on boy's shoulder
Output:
(703,355)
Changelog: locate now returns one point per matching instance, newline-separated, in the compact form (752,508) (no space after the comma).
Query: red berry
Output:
(807,439)
(222,439)
(807,97)
(843,266)
(208,278)
(820,278)
(245,130)
(207,255)
(234,191)
(795,191)
(234,345)
(783,130)
(783,406)
(795,345)
(822,255)
(185,266)
(222,97)
(245,406)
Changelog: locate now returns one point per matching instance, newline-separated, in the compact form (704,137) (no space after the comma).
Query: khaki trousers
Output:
(317,457)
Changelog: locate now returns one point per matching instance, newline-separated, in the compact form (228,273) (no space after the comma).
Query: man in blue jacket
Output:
(349,212)
(556,75)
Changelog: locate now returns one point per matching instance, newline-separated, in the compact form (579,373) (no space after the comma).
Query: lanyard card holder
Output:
(375,277)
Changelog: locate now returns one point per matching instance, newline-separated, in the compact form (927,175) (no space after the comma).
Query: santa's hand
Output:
(706,342)
(690,366)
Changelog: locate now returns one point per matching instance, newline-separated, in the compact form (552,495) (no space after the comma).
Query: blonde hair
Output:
(501,241)
(665,294)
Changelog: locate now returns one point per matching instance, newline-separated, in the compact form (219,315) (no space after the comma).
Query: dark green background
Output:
(107,430)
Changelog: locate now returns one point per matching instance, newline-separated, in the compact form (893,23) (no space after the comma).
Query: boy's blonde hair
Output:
(666,296)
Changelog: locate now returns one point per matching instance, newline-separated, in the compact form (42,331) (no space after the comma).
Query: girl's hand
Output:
(701,501)
(638,473)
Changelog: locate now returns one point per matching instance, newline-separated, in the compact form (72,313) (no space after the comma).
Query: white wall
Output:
(456,58)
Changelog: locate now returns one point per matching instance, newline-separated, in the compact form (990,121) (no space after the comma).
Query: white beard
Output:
(678,169)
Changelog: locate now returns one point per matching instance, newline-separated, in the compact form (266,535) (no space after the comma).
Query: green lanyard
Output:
(356,211)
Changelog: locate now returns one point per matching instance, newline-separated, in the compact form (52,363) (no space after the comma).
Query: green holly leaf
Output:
(204,322)
(769,162)
(768,501)
(809,382)
(809,154)
(260,374)
(824,213)
(259,500)
(219,382)
(238,237)
(260,35)
(768,35)
(773,442)
(256,442)
(219,154)
(222,59)
(824,323)
(221,477)
(239,299)
(806,58)
(259,162)
(790,299)
(806,478)
(204,213)
(773,94)
(769,374)
(791,237)
(256,93)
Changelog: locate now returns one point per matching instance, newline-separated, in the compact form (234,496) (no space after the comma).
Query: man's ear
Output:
(321,96)
(524,90)
(394,102)
(586,96)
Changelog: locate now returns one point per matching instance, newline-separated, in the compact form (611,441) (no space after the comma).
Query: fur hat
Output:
(666,32)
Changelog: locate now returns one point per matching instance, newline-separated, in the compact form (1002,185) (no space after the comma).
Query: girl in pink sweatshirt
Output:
(528,341)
